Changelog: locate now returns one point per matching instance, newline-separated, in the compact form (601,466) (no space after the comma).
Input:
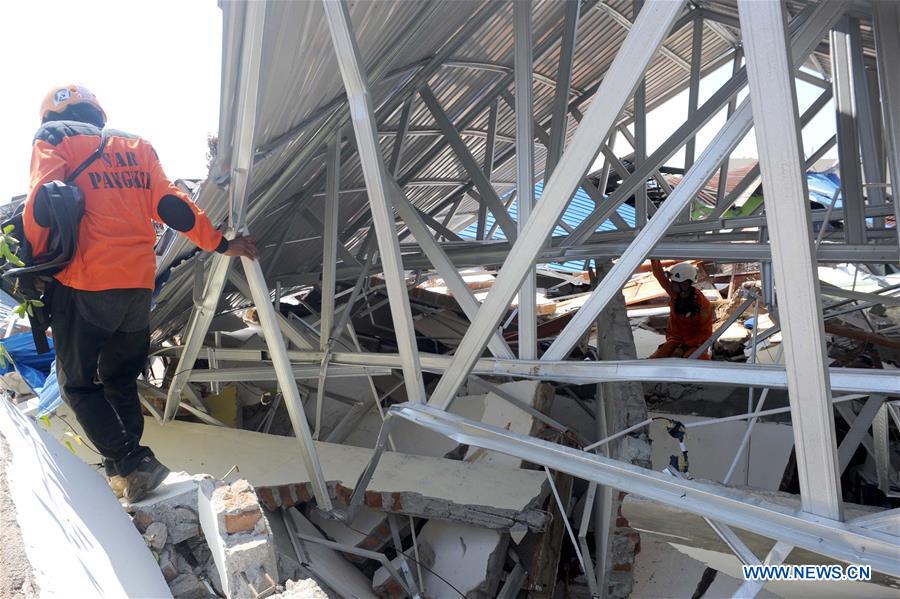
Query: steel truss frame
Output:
(773,52)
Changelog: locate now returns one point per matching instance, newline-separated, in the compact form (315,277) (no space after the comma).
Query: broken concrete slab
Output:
(469,558)
(328,565)
(660,570)
(697,539)
(492,496)
(301,589)
(239,537)
(77,539)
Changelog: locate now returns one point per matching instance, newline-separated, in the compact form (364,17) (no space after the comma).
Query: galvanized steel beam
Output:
(524,109)
(559,114)
(887,49)
(774,101)
(847,130)
(364,125)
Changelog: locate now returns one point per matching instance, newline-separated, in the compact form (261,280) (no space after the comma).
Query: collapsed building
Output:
(434,381)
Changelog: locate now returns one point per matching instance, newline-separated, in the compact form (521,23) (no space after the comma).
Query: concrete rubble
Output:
(209,537)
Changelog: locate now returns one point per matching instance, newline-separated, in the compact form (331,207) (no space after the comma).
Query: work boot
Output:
(146,477)
(117,484)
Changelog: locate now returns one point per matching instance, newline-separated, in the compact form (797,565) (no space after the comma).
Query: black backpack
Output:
(63,202)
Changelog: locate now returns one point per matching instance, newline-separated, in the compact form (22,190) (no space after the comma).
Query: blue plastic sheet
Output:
(49,393)
(32,366)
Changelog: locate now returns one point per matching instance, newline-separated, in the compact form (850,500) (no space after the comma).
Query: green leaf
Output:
(69,445)
(29,309)
(15,260)
(46,420)
(74,436)
(9,229)
(37,303)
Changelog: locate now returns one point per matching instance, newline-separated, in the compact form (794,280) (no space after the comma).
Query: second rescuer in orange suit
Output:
(100,302)
(691,315)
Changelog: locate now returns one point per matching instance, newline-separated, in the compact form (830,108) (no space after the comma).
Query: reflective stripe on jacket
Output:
(125,190)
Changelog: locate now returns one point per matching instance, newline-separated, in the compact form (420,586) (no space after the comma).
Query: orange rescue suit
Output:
(684,333)
(125,190)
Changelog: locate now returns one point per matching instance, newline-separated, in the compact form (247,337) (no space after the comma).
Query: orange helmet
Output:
(60,98)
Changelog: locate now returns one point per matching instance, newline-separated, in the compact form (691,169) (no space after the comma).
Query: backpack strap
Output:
(70,180)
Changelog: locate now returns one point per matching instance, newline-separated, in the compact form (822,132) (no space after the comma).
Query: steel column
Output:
(283,371)
(778,140)
(640,142)
(845,105)
(400,137)
(694,86)
(364,125)
(243,130)
(330,233)
(524,110)
(887,48)
(723,172)
(489,146)
(560,111)
(241,163)
(868,127)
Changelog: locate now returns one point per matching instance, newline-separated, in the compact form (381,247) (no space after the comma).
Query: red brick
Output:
(374,499)
(286,499)
(265,495)
(241,522)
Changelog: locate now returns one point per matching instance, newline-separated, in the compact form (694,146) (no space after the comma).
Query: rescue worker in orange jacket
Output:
(100,302)
(691,315)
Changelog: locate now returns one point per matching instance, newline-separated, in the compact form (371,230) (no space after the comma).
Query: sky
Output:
(153,65)
(155,68)
(663,121)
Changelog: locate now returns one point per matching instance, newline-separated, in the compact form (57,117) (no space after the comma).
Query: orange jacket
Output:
(125,189)
(689,330)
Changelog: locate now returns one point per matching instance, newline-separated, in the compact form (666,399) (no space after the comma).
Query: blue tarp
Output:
(822,187)
(49,394)
(37,370)
(33,367)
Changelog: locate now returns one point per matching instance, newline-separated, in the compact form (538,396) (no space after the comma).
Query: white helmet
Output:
(683,271)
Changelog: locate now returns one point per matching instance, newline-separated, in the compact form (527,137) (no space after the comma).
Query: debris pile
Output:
(209,537)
